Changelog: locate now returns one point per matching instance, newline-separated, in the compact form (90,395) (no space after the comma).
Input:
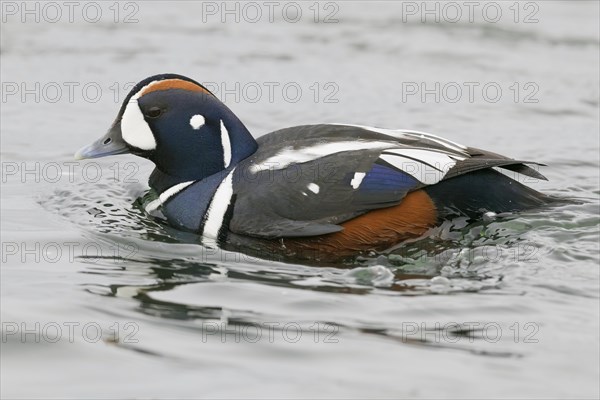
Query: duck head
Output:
(179,125)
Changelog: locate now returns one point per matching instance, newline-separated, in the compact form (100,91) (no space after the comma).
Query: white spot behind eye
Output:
(197,121)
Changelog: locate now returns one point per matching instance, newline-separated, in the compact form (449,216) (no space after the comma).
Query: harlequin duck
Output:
(312,191)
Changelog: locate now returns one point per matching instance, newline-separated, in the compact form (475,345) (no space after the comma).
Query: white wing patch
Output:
(357,179)
(439,161)
(313,187)
(428,167)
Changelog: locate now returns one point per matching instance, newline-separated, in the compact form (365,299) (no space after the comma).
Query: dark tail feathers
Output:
(484,190)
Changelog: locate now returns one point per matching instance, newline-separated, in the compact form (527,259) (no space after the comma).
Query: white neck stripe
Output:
(166,195)
(226,143)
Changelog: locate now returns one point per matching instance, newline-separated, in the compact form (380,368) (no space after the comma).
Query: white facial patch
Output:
(135,129)
(197,121)
(313,187)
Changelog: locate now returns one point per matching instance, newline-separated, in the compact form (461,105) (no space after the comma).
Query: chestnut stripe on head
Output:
(173,84)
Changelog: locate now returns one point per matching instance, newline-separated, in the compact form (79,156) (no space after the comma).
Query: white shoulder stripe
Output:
(218,207)
(289,155)
(226,143)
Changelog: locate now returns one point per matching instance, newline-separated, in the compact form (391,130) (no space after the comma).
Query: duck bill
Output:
(110,144)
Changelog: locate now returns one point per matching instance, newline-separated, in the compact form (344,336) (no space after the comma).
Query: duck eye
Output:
(153,112)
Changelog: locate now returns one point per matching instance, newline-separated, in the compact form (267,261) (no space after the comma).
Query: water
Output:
(507,307)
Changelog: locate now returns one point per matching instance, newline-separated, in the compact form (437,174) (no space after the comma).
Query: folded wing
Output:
(306,180)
